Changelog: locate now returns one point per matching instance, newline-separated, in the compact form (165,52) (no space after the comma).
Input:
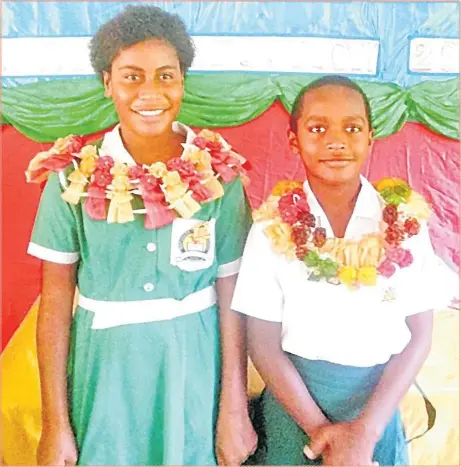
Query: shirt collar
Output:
(368,203)
(112,144)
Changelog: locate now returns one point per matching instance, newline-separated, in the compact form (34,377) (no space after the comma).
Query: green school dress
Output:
(144,362)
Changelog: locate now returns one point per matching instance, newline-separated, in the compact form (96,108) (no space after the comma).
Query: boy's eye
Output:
(317,129)
(353,129)
(166,76)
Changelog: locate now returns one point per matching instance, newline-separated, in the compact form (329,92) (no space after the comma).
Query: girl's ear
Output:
(106,79)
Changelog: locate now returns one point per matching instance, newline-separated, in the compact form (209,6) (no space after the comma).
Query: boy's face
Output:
(147,86)
(333,135)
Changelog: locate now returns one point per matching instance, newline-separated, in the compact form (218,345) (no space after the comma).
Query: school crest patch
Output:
(192,244)
(389,295)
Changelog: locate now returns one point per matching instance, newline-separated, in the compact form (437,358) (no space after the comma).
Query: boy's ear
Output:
(293,142)
(371,138)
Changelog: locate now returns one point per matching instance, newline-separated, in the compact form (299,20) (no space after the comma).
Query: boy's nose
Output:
(336,146)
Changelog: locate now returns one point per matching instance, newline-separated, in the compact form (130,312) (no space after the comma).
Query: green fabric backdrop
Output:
(47,110)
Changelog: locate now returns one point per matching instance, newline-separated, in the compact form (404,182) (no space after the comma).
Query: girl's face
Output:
(333,135)
(147,86)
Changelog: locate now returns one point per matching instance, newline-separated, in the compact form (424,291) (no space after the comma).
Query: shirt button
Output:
(148,287)
(151,247)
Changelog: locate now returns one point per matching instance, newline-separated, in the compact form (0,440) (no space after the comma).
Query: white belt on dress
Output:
(108,314)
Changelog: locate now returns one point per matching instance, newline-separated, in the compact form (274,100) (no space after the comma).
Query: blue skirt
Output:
(341,392)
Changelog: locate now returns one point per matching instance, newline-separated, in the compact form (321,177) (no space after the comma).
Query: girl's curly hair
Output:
(137,24)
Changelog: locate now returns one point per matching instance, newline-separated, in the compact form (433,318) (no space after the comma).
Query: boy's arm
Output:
(280,375)
(399,374)
(353,443)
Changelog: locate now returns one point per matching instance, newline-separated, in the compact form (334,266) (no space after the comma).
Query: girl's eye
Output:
(166,76)
(132,78)
(317,129)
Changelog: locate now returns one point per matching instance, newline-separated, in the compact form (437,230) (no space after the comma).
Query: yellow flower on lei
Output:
(202,163)
(280,234)
(158,169)
(77,184)
(285,186)
(88,154)
(210,135)
(61,144)
(367,275)
(200,158)
(347,275)
(120,209)
(389,182)
(416,206)
(267,211)
(177,196)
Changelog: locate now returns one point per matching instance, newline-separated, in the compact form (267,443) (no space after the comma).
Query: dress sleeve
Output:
(54,236)
(232,226)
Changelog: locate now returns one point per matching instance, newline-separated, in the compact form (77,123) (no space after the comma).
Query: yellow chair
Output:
(21,406)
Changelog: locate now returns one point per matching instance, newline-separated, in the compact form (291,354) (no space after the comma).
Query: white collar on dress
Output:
(368,203)
(112,144)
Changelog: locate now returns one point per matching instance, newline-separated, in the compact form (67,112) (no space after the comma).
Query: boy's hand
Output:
(340,444)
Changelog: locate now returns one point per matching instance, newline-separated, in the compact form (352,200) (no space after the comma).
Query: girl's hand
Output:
(340,444)
(57,447)
(236,439)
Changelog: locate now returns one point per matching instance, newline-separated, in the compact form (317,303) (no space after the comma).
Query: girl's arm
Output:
(235,437)
(280,375)
(353,443)
(57,445)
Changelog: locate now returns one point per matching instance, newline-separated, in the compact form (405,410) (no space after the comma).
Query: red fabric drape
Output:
(430,163)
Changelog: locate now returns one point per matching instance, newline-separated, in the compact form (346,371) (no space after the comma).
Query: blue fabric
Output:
(341,392)
(394,24)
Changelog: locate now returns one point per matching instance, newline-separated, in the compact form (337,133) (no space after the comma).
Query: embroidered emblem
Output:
(389,295)
(192,244)
(195,243)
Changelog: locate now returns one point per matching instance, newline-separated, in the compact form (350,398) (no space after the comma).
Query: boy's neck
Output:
(337,202)
(156,149)
(335,197)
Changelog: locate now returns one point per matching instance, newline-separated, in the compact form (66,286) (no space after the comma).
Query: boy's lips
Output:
(337,162)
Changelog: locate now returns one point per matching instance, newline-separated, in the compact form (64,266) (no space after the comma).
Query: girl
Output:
(336,280)
(140,223)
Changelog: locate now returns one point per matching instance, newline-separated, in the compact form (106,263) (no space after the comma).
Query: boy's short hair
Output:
(329,80)
(139,23)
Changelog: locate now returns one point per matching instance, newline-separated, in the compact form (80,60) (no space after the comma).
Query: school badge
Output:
(192,244)
(389,295)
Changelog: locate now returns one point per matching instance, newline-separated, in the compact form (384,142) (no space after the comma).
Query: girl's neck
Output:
(156,149)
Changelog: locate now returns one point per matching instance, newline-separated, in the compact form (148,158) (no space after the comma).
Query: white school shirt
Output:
(321,321)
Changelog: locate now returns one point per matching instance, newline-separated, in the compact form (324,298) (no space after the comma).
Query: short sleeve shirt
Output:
(321,321)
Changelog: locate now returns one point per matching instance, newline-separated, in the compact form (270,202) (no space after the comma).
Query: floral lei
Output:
(169,189)
(293,232)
